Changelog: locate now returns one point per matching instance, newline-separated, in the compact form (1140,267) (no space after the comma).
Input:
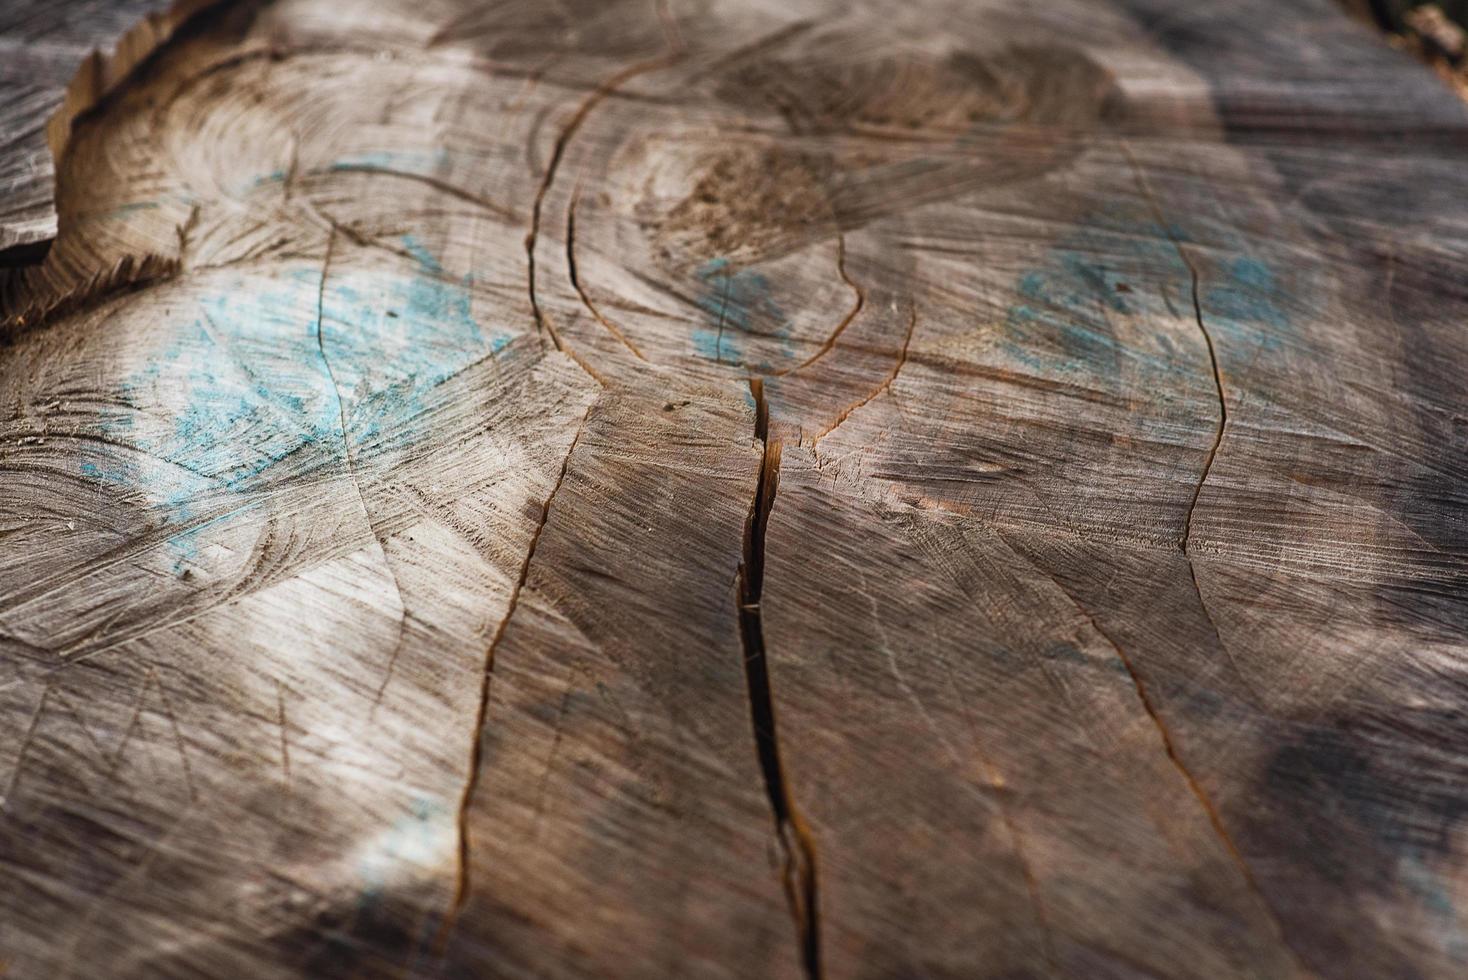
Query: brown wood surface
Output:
(625,489)
(58,58)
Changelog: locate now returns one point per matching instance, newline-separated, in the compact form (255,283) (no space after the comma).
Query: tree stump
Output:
(631,488)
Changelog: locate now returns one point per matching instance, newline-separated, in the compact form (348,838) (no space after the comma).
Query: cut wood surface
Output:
(58,58)
(625,489)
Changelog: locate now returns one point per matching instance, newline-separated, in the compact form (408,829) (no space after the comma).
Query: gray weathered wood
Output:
(685,489)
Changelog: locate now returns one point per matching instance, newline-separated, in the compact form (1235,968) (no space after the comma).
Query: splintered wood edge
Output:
(99,74)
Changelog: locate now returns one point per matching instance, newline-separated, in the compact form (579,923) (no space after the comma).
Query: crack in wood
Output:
(886,384)
(1186,536)
(377,538)
(797,842)
(471,783)
(1214,816)
(856,307)
(576,279)
(558,152)
(1169,747)
(1205,801)
(723,318)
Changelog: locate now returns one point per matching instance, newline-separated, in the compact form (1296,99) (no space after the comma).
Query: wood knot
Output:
(853,141)
(751,200)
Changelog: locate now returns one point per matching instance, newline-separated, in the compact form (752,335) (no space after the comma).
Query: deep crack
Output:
(801,890)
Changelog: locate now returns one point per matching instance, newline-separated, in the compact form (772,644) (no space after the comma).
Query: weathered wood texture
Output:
(58,58)
(687,489)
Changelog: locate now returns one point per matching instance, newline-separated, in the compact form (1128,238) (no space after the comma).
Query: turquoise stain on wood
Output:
(1247,300)
(737,304)
(253,399)
(421,162)
(392,341)
(1060,321)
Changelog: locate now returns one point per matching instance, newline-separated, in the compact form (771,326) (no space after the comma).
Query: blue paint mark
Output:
(421,162)
(1061,321)
(274,177)
(134,207)
(420,252)
(735,302)
(1245,300)
(391,343)
(117,211)
(715,346)
(250,391)
(115,475)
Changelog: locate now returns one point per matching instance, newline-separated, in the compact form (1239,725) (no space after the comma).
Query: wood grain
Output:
(682,489)
(61,59)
